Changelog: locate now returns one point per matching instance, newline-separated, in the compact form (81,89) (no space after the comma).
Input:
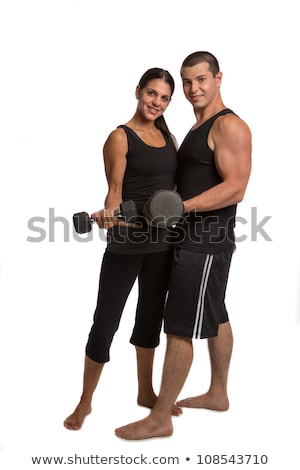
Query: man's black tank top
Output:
(211,231)
(148,169)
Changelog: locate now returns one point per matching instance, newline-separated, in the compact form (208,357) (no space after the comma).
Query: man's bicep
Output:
(233,152)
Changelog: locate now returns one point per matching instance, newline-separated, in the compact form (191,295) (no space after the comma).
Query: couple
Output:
(210,169)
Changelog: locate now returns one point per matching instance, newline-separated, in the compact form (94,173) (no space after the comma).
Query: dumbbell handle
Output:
(116,213)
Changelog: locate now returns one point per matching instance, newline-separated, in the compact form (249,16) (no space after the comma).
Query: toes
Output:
(176,410)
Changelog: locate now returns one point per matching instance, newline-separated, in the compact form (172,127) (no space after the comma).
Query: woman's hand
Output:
(105,218)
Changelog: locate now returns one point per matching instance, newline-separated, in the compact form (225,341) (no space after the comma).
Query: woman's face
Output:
(154,98)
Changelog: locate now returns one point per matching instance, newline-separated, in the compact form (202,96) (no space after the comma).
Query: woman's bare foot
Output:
(208,400)
(75,420)
(145,429)
(148,400)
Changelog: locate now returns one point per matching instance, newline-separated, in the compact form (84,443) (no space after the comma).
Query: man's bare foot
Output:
(145,429)
(207,400)
(75,420)
(149,400)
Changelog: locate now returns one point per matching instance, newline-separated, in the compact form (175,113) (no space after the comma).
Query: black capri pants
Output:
(117,276)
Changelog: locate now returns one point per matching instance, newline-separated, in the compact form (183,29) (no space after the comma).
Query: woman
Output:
(140,158)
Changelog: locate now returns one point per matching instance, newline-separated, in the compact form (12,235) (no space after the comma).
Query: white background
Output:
(68,76)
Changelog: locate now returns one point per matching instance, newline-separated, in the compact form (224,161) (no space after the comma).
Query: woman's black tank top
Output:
(148,169)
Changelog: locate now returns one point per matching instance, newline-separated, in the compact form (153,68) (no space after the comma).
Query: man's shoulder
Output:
(230,122)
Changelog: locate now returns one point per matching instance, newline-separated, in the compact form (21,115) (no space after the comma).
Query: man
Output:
(214,168)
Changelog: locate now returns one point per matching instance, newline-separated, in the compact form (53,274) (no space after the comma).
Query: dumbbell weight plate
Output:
(164,208)
(127,212)
(82,222)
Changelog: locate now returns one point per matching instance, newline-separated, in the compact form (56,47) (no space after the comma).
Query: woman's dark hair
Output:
(202,56)
(163,74)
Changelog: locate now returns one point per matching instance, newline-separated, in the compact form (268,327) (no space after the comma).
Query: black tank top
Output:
(148,169)
(211,231)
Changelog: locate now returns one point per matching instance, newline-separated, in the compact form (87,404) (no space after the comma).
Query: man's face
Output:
(199,85)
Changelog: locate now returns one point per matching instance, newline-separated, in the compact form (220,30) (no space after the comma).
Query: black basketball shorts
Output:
(195,305)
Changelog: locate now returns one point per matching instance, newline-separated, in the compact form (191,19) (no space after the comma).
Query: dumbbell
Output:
(127,212)
(164,209)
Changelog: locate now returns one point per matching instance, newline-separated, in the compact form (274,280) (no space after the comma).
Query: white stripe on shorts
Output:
(201,297)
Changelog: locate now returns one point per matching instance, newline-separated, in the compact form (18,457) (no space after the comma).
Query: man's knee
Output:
(176,338)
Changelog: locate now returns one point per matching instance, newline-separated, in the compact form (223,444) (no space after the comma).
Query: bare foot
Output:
(75,420)
(145,429)
(207,400)
(149,400)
